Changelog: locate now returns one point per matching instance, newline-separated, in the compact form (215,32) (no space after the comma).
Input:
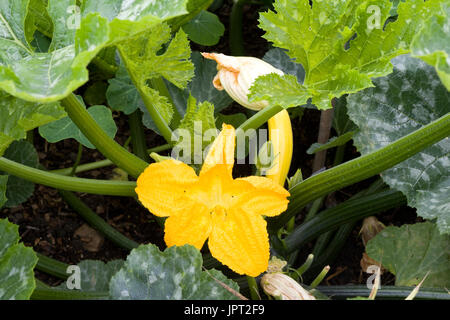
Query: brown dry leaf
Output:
(370,228)
(367,261)
(92,240)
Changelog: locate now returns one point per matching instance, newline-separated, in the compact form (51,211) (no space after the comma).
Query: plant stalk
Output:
(362,168)
(57,181)
(348,211)
(138,135)
(96,222)
(97,136)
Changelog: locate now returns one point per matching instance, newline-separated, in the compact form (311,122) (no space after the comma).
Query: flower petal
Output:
(222,150)
(240,241)
(268,199)
(191,226)
(162,187)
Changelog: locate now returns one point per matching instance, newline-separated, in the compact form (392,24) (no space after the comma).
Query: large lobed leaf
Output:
(411,97)
(19,116)
(144,62)
(432,43)
(19,190)
(78,35)
(176,273)
(341,45)
(204,29)
(16,264)
(65,128)
(413,251)
(123,95)
(95,275)
(199,118)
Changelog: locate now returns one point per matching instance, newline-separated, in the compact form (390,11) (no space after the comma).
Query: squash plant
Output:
(383,67)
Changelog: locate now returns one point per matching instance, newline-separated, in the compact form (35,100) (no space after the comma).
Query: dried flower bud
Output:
(370,228)
(283,287)
(236,75)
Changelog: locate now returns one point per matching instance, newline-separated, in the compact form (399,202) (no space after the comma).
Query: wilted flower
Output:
(237,74)
(283,287)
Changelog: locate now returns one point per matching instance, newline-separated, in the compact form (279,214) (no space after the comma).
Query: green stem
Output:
(51,266)
(385,292)
(320,277)
(338,158)
(330,253)
(138,135)
(236,38)
(348,211)
(96,222)
(158,84)
(305,266)
(259,118)
(97,136)
(253,287)
(108,69)
(78,160)
(93,186)
(362,168)
(103,163)
(43,293)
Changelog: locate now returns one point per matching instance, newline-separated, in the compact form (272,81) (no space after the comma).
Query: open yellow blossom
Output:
(215,207)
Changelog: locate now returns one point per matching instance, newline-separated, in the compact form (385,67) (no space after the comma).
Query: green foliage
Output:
(394,108)
(16,264)
(144,61)
(432,43)
(95,94)
(78,35)
(59,71)
(198,119)
(175,274)
(412,251)
(19,190)
(341,122)
(65,129)
(121,94)
(200,87)
(18,116)
(204,29)
(279,59)
(95,275)
(3,183)
(128,19)
(331,143)
(341,45)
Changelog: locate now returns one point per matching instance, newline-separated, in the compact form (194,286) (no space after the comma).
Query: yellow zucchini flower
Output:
(215,207)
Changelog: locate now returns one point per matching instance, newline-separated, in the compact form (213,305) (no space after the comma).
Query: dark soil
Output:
(47,223)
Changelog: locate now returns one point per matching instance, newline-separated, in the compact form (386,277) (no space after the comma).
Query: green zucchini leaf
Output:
(65,128)
(432,43)
(394,108)
(342,46)
(175,274)
(412,251)
(16,264)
